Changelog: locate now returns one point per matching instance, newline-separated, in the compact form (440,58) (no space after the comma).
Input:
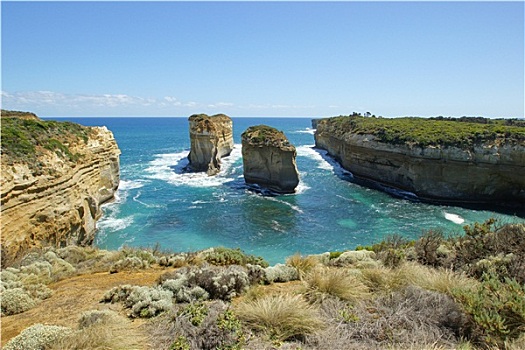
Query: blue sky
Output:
(310,59)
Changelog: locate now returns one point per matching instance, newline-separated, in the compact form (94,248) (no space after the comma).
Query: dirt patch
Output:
(73,296)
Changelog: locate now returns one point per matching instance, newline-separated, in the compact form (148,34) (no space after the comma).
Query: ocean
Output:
(157,203)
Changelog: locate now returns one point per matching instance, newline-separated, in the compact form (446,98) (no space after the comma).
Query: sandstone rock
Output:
(269,159)
(211,139)
(484,173)
(55,200)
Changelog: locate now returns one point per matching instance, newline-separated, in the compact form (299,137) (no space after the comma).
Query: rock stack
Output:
(211,139)
(269,159)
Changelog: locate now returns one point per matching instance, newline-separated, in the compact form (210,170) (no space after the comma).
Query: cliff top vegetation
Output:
(17,114)
(437,292)
(459,132)
(265,135)
(25,140)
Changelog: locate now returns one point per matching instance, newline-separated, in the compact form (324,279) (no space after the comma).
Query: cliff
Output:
(55,176)
(438,160)
(269,159)
(211,139)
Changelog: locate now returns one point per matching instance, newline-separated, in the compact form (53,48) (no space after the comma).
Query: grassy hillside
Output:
(460,132)
(437,292)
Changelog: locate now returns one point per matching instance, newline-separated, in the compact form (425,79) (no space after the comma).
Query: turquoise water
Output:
(158,203)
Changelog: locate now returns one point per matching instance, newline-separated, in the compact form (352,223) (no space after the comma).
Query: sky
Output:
(309,59)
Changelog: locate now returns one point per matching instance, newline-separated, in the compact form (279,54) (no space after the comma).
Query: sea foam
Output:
(171,168)
(455,218)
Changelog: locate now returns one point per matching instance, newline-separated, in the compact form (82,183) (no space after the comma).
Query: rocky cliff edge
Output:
(55,176)
(435,159)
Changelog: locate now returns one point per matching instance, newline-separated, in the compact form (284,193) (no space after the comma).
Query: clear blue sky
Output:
(263,58)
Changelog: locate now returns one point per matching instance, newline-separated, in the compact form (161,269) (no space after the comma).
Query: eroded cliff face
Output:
(485,173)
(53,195)
(211,139)
(269,159)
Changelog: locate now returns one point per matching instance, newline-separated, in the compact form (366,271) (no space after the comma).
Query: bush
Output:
(497,309)
(334,282)
(37,337)
(226,256)
(427,248)
(197,326)
(15,301)
(280,273)
(281,317)
(144,302)
(487,248)
(357,258)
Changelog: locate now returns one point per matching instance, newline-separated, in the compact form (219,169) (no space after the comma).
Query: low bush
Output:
(280,273)
(144,302)
(497,309)
(37,337)
(222,256)
(280,316)
(15,301)
(197,326)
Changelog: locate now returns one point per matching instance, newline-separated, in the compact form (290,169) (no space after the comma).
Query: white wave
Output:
(309,152)
(294,207)
(455,218)
(304,131)
(301,188)
(170,168)
(114,224)
(136,199)
(125,185)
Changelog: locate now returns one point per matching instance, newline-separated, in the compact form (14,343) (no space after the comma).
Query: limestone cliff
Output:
(211,139)
(55,176)
(269,159)
(484,166)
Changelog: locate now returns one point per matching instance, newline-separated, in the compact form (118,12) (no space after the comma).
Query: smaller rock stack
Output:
(269,159)
(211,139)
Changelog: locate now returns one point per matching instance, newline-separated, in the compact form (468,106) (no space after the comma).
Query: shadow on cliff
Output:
(512,209)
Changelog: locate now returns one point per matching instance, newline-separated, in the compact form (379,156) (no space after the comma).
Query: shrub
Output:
(128,263)
(15,301)
(497,309)
(303,264)
(487,248)
(221,283)
(226,256)
(427,248)
(37,337)
(282,317)
(280,273)
(144,302)
(334,282)
(357,258)
(197,326)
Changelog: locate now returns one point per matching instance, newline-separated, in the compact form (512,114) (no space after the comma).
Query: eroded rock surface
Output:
(269,159)
(52,189)
(211,139)
(487,172)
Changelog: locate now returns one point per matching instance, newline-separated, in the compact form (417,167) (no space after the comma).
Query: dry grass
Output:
(303,264)
(438,280)
(281,316)
(334,282)
(110,332)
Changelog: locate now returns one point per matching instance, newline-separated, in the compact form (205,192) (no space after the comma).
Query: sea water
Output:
(157,202)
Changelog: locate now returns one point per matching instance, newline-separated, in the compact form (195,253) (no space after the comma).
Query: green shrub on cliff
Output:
(25,139)
(426,132)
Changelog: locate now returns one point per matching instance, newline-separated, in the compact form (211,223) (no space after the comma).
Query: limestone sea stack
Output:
(442,159)
(269,159)
(55,176)
(211,139)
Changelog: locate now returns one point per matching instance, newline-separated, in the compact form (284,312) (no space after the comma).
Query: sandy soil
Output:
(73,296)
